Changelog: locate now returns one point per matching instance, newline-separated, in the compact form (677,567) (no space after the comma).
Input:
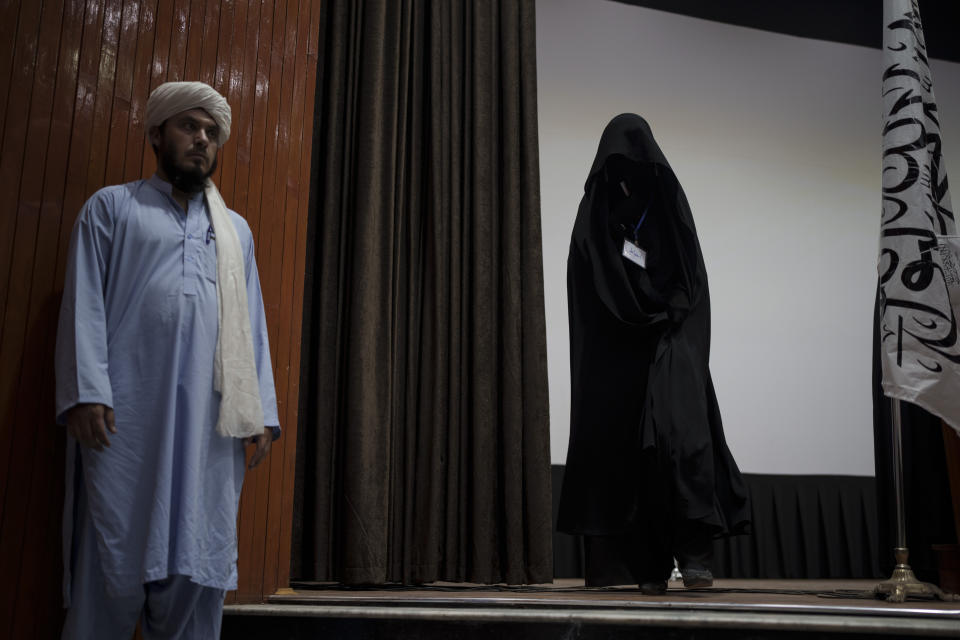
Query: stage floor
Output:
(821,607)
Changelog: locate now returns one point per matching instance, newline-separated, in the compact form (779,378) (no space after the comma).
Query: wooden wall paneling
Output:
(208,56)
(42,564)
(77,117)
(282,62)
(269,201)
(61,130)
(36,589)
(9,13)
(12,149)
(77,74)
(103,95)
(14,136)
(38,586)
(242,67)
(160,35)
(21,169)
(241,142)
(309,26)
(247,583)
(228,72)
(298,185)
(122,93)
(295,58)
(282,253)
(161,44)
(225,59)
(260,205)
(50,249)
(258,138)
(137,146)
(49,490)
(255,203)
(143,164)
(180,20)
(224,30)
(303,216)
(244,129)
(194,56)
(36,407)
(83,111)
(73,131)
(255,493)
(15,288)
(29,244)
(231,88)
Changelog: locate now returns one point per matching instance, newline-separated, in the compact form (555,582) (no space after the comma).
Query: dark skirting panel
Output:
(814,526)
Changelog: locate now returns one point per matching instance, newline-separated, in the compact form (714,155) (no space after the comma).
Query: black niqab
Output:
(646,440)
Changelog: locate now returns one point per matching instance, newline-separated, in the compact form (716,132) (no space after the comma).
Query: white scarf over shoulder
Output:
(235,369)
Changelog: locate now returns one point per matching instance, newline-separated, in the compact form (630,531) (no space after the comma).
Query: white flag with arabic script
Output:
(919,263)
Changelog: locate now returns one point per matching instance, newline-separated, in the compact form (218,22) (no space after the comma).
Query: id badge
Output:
(634,254)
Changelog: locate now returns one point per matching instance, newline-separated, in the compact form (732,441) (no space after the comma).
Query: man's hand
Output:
(263,442)
(89,423)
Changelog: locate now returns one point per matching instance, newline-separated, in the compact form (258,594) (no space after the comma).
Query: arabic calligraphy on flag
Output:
(919,248)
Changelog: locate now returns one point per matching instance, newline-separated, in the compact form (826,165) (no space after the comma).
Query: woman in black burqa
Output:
(649,476)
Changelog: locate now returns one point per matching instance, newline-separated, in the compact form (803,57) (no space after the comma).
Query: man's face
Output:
(187,148)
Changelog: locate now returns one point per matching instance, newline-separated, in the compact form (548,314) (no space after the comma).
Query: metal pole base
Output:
(903,584)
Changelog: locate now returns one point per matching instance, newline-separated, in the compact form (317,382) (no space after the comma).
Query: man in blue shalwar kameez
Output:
(163,376)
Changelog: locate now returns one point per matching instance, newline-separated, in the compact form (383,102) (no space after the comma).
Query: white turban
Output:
(234,367)
(171,98)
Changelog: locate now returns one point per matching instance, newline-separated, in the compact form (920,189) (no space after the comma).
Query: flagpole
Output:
(897,431)
(903,583)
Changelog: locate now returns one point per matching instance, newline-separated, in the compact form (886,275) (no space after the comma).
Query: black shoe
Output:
(696,578)
(653,588)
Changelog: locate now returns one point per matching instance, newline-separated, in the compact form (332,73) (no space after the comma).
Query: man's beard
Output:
(188,181)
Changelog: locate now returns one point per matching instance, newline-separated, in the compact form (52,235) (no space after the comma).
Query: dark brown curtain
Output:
(425,439)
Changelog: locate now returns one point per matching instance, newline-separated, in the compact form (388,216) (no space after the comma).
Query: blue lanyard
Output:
(636,229)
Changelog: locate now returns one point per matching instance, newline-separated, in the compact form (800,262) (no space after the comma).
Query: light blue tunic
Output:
(137,332)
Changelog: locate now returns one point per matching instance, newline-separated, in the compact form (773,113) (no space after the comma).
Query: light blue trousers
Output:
(172,608)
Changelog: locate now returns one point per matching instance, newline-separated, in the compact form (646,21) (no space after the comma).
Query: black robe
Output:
(646,442)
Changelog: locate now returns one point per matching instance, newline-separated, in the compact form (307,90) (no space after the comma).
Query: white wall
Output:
(776,141)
